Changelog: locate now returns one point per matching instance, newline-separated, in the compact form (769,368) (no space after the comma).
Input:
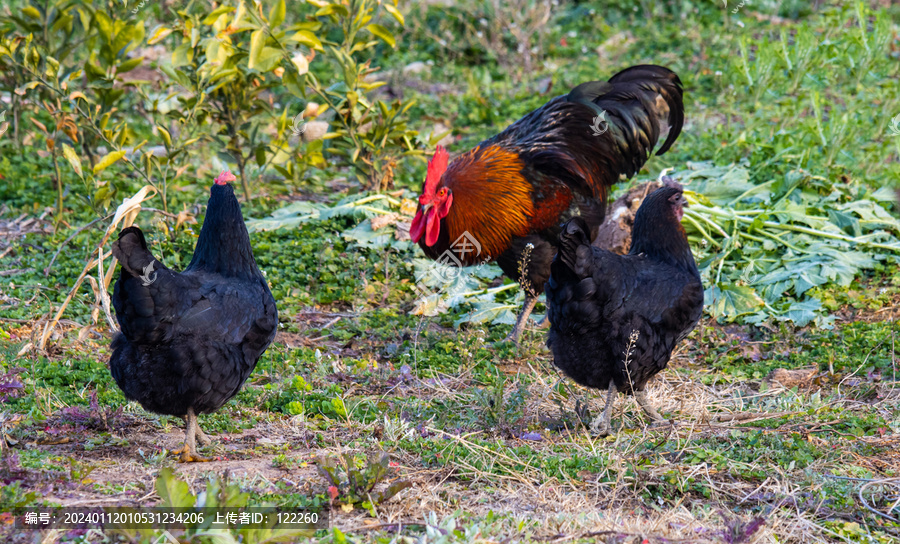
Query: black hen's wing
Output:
(219,339)
(229,311)
(559,141)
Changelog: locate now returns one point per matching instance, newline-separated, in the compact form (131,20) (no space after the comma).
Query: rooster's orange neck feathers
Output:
(491,201)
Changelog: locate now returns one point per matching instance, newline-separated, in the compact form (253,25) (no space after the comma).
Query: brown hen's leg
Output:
(544,323)
(514,335)
(188,452)
(641,398)
(600,426)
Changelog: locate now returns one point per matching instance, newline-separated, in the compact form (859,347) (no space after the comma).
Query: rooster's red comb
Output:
(436,167)
(224,177)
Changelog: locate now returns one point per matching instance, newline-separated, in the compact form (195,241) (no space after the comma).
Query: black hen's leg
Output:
(202,438)
(517,331)
(600,426)
(188,452)
(644,402)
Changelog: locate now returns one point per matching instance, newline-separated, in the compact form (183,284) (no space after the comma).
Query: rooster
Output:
(504,200)
(615,319)
(189,340)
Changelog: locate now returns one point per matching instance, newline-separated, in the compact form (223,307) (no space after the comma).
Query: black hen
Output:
(505,199)
(615,319)
(189,340)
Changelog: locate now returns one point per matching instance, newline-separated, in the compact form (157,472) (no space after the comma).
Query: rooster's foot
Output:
(515,335)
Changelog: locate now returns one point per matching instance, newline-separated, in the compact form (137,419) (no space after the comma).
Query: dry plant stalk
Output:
(524,260)
(526,21)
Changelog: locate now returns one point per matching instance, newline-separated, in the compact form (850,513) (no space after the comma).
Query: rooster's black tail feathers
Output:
(638,99)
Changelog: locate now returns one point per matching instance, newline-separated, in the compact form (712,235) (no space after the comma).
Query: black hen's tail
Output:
(131,251)
(575,233)
(144,292)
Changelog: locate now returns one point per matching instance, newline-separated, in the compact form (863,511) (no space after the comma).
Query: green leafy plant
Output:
(352,480)
(497,410)
(79,90)
(220,493)
(762,248)
(38,38)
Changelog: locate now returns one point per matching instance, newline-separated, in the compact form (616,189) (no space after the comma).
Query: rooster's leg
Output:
(188,452)
(641,398)
(600,426)
(514,335)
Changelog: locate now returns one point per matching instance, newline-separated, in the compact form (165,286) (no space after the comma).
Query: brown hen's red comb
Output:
(436,167)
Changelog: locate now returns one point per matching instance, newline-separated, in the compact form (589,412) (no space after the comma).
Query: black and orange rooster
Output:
(615,319)
(189,340)
(504,200)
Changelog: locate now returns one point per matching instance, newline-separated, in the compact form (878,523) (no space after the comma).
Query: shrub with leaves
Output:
(352,480)
(370,134)
(36,39)
(75,89)
(230,61)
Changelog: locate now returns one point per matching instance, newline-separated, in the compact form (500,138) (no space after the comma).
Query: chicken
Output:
(615,319)
(189,340)
(504,200)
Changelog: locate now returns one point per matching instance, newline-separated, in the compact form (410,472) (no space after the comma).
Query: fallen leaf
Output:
(382,221)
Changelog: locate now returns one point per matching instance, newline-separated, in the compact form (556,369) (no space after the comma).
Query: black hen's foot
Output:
(642,400)
(601,426)
(202,437)
(185,455)
(188,452)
